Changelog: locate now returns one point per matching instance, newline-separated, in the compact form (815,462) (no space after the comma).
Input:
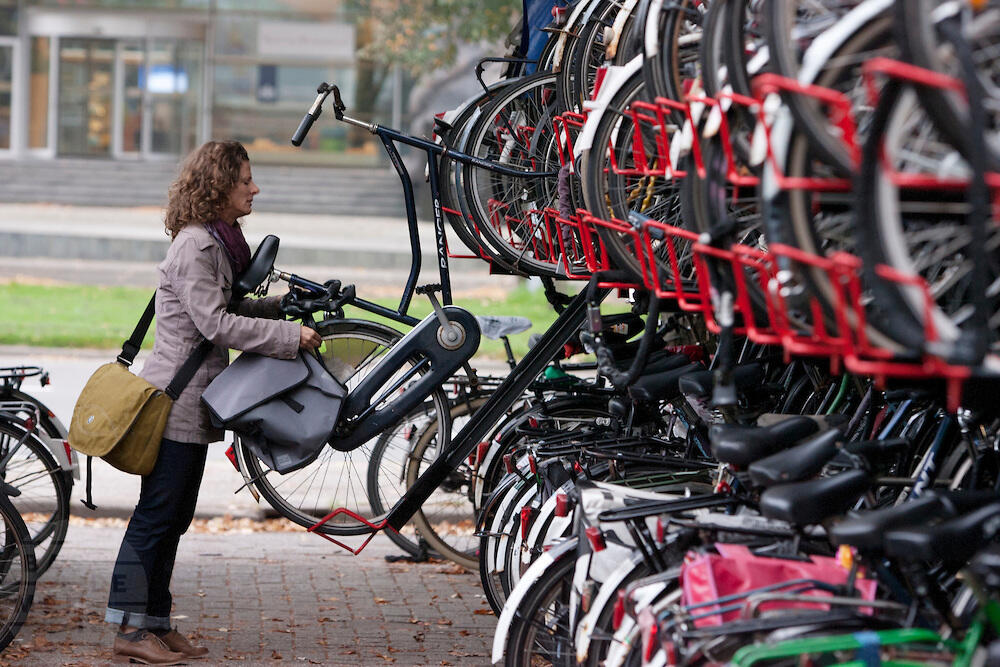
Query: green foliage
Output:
(422,35)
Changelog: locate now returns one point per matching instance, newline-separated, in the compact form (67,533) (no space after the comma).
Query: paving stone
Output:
(266,598)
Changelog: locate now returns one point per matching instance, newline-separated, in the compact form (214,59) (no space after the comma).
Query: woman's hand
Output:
(309,339)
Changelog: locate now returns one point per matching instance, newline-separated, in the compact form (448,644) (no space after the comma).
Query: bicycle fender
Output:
(605,595)
(616,77)
(547,526)
(622,641)
(565,549)
(422,340)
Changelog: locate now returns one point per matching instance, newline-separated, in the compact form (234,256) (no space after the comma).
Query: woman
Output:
(215,189)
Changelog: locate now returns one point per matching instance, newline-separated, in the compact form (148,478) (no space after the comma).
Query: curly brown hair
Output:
(201,190)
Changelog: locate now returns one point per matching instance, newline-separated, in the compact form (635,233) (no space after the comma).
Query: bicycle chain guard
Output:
(362,419)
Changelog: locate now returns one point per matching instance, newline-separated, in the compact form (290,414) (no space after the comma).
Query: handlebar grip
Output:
(303,129)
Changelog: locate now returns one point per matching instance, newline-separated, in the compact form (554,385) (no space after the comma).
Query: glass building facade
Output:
(149,79)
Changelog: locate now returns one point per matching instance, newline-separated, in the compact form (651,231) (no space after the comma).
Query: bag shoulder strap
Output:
(187,371)
(131,347)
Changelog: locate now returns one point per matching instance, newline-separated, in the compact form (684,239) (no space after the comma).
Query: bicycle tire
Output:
(17,562)
(540,632)
(396,445)
(489,577)
(350,349)
(609,195)
(516,131)
(923,46)
(888,237)
(846,58)
(433,519)
(44,492)
(449,193)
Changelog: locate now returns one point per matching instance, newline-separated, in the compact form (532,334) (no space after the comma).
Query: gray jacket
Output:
(195,285)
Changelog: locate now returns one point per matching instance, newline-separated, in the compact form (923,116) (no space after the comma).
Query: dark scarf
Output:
(232,241)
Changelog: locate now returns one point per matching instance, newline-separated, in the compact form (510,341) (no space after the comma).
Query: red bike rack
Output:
(375,528)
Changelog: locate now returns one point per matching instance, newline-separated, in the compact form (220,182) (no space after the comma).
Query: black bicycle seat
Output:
(660,386)
(866,531)
(953,541)
(797,463)
(700,385)
(812,501)
(742,445)
(658,362)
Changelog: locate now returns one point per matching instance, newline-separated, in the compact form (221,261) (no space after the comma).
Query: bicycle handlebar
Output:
(323,90)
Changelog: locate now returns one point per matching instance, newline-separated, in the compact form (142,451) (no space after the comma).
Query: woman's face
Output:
(240,200)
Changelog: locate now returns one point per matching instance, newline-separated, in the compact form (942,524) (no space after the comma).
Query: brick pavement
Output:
(274,598)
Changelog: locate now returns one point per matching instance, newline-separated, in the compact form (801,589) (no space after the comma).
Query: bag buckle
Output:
(123,361)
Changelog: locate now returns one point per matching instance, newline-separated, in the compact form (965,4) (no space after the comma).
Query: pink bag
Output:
(735,570)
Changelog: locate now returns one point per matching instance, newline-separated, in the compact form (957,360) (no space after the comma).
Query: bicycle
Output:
(36,460)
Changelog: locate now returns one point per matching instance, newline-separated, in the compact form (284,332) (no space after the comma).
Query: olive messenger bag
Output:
(119,416)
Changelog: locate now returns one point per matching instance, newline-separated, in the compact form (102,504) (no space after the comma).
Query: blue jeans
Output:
(140,583)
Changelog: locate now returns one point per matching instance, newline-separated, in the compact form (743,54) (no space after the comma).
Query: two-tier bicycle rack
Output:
(581,254)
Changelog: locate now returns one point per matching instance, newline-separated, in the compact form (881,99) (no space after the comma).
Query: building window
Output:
(38,93)
(8,18)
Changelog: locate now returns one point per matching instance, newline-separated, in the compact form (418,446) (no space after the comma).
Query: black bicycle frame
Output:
(389,136)
(557,335)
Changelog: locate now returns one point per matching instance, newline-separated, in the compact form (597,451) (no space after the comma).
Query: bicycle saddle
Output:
(700,385)
(660,386)
(954,540)
(495,327)
(866,531)
(812,501)
(259,268)
(658,362)
(742,445)
(797,463)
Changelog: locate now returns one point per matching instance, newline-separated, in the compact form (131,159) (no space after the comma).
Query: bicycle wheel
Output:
(516,131)
(921,231)
(351,349)
(616,193)
(924,43)
(447,520)
(44,491)
(387,474)
(541,633)
(17,565)
(388,469)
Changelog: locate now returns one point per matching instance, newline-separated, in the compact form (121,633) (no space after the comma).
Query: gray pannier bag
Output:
(284,409)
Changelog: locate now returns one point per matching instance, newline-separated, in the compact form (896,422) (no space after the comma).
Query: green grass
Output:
(103,317)
(70,316)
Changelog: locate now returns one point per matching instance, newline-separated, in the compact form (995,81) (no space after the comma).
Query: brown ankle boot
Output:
(144,647)
(175,641)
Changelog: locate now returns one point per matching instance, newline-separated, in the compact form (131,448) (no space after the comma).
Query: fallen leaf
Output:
(444,621)
(381,601)
(276,656)
(483,612)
